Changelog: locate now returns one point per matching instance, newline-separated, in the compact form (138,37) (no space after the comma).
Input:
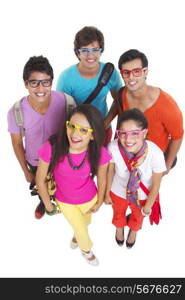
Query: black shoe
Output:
(129,245)
(119,242)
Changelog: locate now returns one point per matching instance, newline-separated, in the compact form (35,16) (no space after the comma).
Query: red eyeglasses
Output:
(137,72)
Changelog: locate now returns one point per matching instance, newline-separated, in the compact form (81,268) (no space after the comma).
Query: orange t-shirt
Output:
(164,120)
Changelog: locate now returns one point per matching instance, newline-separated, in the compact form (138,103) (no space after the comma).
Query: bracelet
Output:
(146,214)
(53,212)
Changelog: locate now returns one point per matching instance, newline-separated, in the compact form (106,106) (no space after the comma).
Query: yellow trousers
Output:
(79,220)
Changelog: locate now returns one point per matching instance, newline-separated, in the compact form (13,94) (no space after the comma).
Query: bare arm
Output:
(110,175)
(113,111)
(18,147)
(156,181)
(172,151)
(101,186)
(41,174)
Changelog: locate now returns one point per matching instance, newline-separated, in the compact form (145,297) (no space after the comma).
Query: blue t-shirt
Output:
(71,82)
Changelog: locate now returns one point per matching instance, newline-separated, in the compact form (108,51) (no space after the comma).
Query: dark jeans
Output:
(33,170)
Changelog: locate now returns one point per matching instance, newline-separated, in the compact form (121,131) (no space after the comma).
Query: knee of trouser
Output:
(135,222)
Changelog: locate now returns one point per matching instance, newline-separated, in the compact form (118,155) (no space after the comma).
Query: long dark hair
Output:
(60,143)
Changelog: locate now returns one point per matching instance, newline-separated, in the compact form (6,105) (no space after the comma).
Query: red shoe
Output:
(40,211)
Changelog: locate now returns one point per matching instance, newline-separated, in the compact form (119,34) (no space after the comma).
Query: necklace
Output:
(80,165)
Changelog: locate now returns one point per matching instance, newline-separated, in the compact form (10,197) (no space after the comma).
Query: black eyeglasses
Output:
(35,83)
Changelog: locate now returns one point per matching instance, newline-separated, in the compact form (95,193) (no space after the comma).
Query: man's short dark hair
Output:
(131,55)
(86,36)
(37,64)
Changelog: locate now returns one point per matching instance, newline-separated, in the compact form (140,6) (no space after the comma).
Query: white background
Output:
(40,248)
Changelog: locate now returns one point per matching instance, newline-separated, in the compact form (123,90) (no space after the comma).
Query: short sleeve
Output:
(115,81)
(172,117)
(105,156)
(111,152)
(158,160)
(12,126)
(45,152)
(63,83)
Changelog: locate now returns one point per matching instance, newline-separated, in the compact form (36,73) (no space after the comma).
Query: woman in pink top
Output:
(75,157)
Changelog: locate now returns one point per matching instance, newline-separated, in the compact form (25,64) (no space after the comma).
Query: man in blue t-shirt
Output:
(80,80)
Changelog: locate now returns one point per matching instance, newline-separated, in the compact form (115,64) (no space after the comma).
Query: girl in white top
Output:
(134,176)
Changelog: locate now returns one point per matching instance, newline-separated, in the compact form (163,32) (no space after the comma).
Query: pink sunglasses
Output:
(133,133)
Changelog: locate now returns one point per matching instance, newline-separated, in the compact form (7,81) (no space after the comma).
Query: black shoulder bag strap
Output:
(103,80)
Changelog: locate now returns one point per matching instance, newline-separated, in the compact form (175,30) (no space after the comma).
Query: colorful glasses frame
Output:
(35,83)
(87,51)
(133,133)
(81,130)
(137,72)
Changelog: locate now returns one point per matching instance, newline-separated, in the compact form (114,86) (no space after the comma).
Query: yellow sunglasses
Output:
(81,130)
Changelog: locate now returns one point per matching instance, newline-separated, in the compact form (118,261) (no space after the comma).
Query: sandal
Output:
(87,256)
(73,243)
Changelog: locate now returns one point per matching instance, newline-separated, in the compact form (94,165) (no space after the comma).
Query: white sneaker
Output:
(94,261)
(73,244)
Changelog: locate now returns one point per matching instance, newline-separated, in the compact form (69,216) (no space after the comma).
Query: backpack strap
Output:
(103,80)
(70,103)
(19,116)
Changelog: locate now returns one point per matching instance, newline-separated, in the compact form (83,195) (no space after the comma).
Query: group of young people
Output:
(78,146)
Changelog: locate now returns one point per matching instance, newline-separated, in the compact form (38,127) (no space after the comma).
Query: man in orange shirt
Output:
(163,114)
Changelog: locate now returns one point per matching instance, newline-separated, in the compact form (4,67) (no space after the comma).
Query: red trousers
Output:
(120,206)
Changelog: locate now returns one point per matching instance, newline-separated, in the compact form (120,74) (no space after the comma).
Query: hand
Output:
(94,208)
(168,167)
(108,200)
(29,176)
(166,172)
(147,209)
(49,207)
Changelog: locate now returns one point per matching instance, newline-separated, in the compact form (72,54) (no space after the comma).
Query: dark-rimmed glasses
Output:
(137,72)
(81,130)
(35,83)
(133,133)
(87,51)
